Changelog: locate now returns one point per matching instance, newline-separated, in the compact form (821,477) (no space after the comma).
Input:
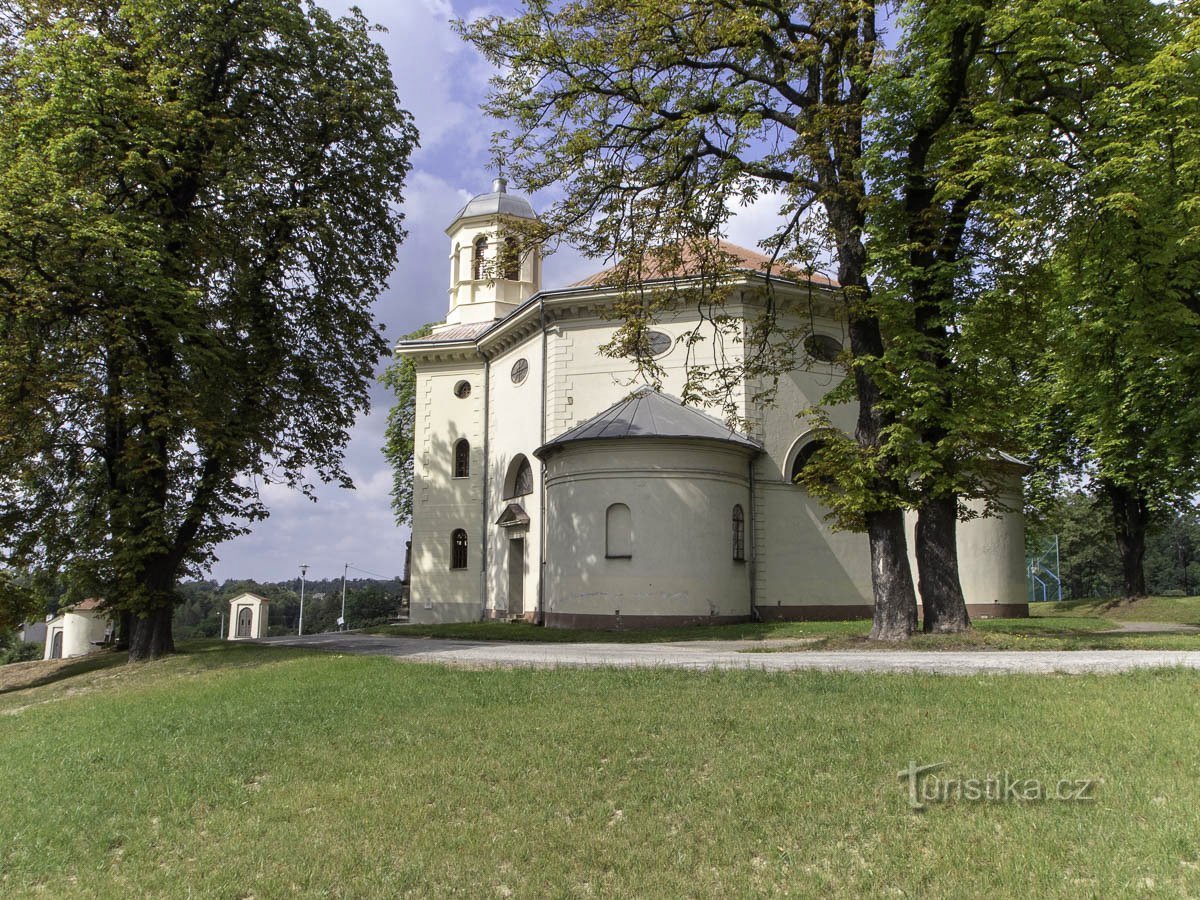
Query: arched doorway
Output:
(243,622)
(56,645)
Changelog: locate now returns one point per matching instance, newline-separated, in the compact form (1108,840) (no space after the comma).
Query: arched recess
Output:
(478,258)
(801,453)
(511,259)
(455,264)
(618,532)
(518,481)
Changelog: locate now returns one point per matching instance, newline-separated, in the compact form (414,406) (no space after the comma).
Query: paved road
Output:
(731,655)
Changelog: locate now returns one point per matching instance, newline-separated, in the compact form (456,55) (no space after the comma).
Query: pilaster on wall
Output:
(561,413)
(425,450)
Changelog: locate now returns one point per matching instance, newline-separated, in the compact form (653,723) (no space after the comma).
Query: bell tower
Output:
(492,269)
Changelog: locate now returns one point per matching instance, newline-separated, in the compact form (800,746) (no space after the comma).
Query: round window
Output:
(822,347)
(520,371)
(657,343)
(462,390)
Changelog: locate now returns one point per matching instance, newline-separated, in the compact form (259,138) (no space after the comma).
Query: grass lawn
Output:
(238,771)
(1178,610)
(1078,628)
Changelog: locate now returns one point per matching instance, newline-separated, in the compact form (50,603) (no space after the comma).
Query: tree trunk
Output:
(895,601)
(895,616)
(1131,515)
(152,637)
(942,601)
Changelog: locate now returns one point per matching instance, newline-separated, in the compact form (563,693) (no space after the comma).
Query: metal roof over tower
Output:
(498,201)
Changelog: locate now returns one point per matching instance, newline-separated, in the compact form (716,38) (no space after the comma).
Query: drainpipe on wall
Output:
(540,616)
(485,537)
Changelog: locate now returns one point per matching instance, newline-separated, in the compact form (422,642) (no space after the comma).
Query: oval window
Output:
(657,343)
(520,371)
(462,390)
(822,347)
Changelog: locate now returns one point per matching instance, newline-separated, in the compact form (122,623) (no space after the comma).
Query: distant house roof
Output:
(740,258)
(646,413)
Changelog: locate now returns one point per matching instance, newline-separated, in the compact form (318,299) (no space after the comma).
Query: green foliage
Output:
(19,601)
(401,378)
(198,204)
(13,649)
(368,602)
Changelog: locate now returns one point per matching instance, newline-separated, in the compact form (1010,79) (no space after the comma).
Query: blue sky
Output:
(441,81)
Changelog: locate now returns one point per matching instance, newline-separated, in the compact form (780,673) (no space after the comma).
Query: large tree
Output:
(398,436)
(1119,296)
(658,117)
(198,203)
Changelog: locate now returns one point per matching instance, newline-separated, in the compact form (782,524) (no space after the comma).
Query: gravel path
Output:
(731,655)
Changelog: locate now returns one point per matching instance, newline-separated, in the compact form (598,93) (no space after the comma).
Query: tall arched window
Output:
(519,480)
(462,459)
(618,532)
(458,549)
(739,533)
(803,457)
(478,266)
(512,259)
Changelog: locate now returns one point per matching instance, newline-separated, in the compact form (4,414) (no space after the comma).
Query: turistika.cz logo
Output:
(925,785)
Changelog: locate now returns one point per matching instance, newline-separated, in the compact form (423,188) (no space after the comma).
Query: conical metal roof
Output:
(646,413)
(497,202)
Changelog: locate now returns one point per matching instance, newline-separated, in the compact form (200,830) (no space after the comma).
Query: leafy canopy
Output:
(198,203)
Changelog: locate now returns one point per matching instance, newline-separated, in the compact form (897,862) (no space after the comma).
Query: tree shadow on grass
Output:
(19,676)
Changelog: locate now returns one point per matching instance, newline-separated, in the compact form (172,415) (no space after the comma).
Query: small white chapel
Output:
(550,486)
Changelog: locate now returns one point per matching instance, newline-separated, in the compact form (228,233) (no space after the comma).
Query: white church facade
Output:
(550,486)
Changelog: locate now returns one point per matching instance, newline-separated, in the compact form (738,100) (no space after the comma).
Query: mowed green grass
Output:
(1057,629)
(1177,610)
(266,772)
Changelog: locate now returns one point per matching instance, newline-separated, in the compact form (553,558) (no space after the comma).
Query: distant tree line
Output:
(369,601)
(1089,561)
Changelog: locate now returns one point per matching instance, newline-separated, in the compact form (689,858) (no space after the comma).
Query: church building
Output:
(549,485)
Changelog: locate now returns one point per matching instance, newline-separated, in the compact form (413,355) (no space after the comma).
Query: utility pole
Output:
(342,620)
(303,572)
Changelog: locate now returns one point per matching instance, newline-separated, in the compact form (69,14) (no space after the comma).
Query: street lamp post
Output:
(342,620)
(303,572)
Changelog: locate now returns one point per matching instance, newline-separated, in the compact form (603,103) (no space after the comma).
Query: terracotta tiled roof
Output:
(89,603)
(743,259)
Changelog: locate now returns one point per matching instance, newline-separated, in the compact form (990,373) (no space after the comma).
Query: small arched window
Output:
(523,483)
(462,459)
(618,532)
(458,549)
(803,457)
(478,265)
(739,533)
(512,259)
